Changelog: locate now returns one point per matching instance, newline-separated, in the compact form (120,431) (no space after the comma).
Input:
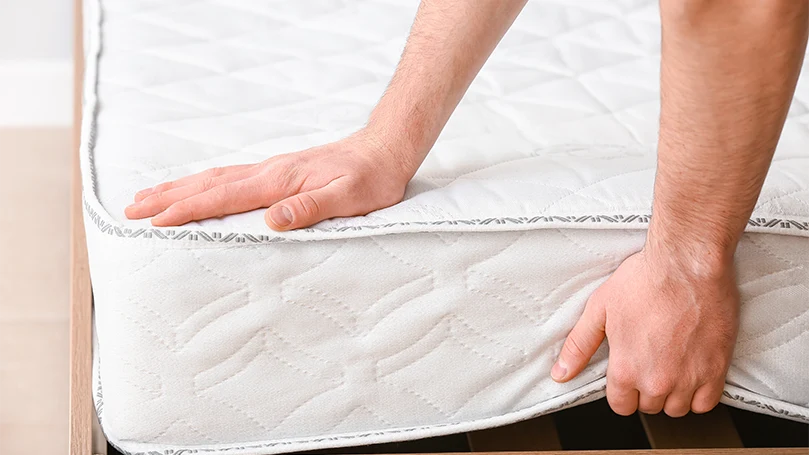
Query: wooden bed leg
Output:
(528,436)
(712,430)
(85,435)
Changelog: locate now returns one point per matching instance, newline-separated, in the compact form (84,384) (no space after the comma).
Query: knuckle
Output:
(213,172)
(657,387)
(220,193)
(206,183)
(156,202)
(573,346)
(622,377)
(155,199)
(308,205)
(162,187)
(597,296)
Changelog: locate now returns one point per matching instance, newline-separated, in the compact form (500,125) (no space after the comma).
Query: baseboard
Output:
(36,93)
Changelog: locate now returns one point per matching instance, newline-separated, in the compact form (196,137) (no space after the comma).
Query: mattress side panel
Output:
(375,335)
(773,342)
(383,333)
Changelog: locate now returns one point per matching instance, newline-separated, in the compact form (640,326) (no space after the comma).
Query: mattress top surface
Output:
(558,130)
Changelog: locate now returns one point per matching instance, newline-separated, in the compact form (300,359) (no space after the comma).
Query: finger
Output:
(707,397)
(582,342)
(622,399)
(310,207)
(236,197)
(160,200)
(678,403)
(209,174)
(650,404)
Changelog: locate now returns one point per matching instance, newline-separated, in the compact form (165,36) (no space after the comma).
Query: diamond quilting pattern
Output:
(209,83)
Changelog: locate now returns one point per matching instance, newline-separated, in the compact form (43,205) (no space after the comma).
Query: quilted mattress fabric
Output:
(441,314)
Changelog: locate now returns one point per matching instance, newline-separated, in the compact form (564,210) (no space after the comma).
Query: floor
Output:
(34,196)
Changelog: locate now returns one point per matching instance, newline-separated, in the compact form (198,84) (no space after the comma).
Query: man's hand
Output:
(351,177)
(670,312)
(448,44)
(671,328)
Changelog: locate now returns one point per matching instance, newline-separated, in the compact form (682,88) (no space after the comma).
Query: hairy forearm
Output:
(449,42)
(728,73)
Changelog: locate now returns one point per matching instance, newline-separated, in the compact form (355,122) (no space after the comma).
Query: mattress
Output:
(438,315)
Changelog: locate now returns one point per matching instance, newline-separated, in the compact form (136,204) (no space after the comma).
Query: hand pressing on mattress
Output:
(670,312)
(370,169)
(354,176)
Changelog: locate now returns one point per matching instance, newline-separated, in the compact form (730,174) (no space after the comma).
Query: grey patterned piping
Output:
(234,237)
(170,234)
(359,436)
(362,436)
(766,407)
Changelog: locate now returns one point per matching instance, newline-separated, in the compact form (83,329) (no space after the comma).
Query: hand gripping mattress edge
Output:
(791,220)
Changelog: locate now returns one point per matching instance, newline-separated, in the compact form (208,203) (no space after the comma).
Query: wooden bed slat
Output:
(530,435)
(712,430)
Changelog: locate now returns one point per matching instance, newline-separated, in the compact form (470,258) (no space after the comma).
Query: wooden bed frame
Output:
(712,430)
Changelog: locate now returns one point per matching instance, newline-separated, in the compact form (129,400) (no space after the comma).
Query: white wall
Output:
(36,46)
(36,29)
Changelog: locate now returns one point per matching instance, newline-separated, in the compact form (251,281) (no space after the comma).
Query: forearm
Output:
(449,42)
(728,73)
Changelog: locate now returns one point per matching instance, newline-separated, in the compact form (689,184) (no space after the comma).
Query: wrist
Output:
(404,138)
(694,257)
(391,150)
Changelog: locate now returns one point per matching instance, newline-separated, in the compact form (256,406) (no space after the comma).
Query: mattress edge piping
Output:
(732,395)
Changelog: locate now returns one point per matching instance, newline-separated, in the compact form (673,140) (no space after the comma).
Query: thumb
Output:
(307,208)
(582,342)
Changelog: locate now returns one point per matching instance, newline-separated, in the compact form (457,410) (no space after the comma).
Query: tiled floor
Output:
(34,196)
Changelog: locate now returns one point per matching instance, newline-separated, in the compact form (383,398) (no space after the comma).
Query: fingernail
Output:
(559,370)
(281,216)
(143,193)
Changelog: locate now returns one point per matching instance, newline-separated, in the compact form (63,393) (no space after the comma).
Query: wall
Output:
(36,45)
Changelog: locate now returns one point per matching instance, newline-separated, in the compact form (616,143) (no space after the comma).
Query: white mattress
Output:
(441,314)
